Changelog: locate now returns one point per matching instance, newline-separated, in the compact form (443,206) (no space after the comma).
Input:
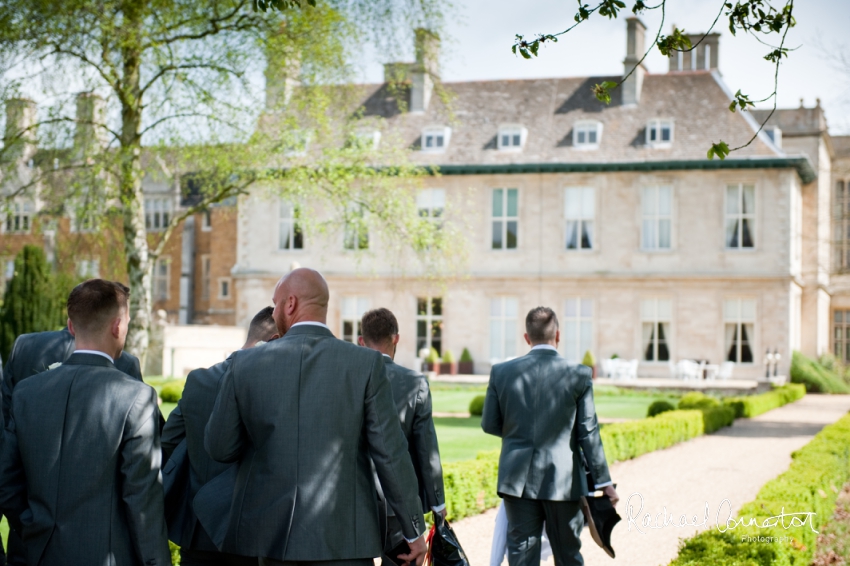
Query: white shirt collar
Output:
(96,352)
(545,347)
(310,323)
(386,356)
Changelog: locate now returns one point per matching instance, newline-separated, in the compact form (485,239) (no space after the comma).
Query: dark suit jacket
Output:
(302,415)
(80,467)
(34,353)
(188,421)
(412,397)
(542,408)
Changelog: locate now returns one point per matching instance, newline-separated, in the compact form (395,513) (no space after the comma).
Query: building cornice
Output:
(799,163)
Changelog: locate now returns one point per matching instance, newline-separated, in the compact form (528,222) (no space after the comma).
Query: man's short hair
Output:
(378,326)
(541,324)
(93,304)
(262,326)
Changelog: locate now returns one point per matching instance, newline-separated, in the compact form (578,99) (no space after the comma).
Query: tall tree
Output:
(181,88)
(32,302)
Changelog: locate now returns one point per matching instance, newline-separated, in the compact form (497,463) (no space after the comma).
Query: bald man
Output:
(302,416)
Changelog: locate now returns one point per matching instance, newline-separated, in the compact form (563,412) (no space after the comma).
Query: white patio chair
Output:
(632,369)
(606,368)
(726,369)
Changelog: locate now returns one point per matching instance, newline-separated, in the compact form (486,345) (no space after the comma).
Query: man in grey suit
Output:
(542,408)
(80,462)
(302,415)
(412,396)
(188,421)
(31,354)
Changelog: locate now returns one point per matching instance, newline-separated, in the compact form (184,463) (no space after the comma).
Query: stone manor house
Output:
(611,214)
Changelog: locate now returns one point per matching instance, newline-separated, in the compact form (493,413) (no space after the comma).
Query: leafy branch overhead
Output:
(759,18)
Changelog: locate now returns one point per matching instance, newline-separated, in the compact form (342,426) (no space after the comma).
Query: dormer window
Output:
(586,135)
(436,139)
(775,135)
(366,138)
(659,133)
(512,137)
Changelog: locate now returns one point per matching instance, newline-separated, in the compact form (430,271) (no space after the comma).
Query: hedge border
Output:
(470,485)
(810,484)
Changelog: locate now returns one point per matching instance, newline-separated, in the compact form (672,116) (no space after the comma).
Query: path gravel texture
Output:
(732,464)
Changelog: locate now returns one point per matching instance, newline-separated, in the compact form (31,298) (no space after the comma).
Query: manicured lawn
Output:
(462,439)
(609,404)
(166,409)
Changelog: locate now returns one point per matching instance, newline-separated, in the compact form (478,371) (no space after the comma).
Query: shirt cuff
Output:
(438,508)
(601,485)
(410,540)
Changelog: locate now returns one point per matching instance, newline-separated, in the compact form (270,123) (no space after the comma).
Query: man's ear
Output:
(274,336)
(71,328)
(527,340)
(361,341)
(557,337)
(395,339)
(115,327)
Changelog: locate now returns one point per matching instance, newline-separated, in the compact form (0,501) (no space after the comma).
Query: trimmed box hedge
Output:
(810,485)
(470,486)
(816,377)
(754,405)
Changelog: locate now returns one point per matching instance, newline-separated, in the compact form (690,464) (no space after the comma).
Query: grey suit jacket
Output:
(302,415)
(542,408)
(412,397)
(34,353)
(188,420)
(80,467)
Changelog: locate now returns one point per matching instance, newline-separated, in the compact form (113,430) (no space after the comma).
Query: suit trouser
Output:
(351,562)
(191,557)
(564,521)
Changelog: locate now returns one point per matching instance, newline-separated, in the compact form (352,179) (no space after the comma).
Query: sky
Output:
(481,33)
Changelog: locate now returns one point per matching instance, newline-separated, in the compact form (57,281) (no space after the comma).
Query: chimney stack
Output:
(89,133)
(635,48)
(703,58)
(425,70)
(19,138)
(283,70)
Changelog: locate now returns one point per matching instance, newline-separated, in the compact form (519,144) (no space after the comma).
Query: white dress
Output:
(500,540)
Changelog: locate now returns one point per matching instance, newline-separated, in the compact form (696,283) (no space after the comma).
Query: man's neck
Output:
(94,346)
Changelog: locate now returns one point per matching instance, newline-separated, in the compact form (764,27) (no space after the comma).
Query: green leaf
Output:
(719,149)
(602,91)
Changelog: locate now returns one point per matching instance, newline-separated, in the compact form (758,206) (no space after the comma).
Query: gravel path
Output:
(732,464)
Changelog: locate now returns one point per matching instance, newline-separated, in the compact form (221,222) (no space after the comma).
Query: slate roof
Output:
(697,102)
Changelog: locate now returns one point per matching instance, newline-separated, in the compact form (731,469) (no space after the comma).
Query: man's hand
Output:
(418,549)
(612,494)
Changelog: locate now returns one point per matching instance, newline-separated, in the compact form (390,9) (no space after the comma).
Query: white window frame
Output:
(158,279)
(291,225)
(430,319)
(508,339)
(431,138)
(504,220)
(575,323)
(514,134)
(158,211)
(222,283)
(656,311)
(656,126)
(584,216)
(587,127)
(206,220)
(740,216)
(18,218)
(431,204)
(656,218)
(366,138)
(88,268)
(352,309)
(355,235)
(740,311)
